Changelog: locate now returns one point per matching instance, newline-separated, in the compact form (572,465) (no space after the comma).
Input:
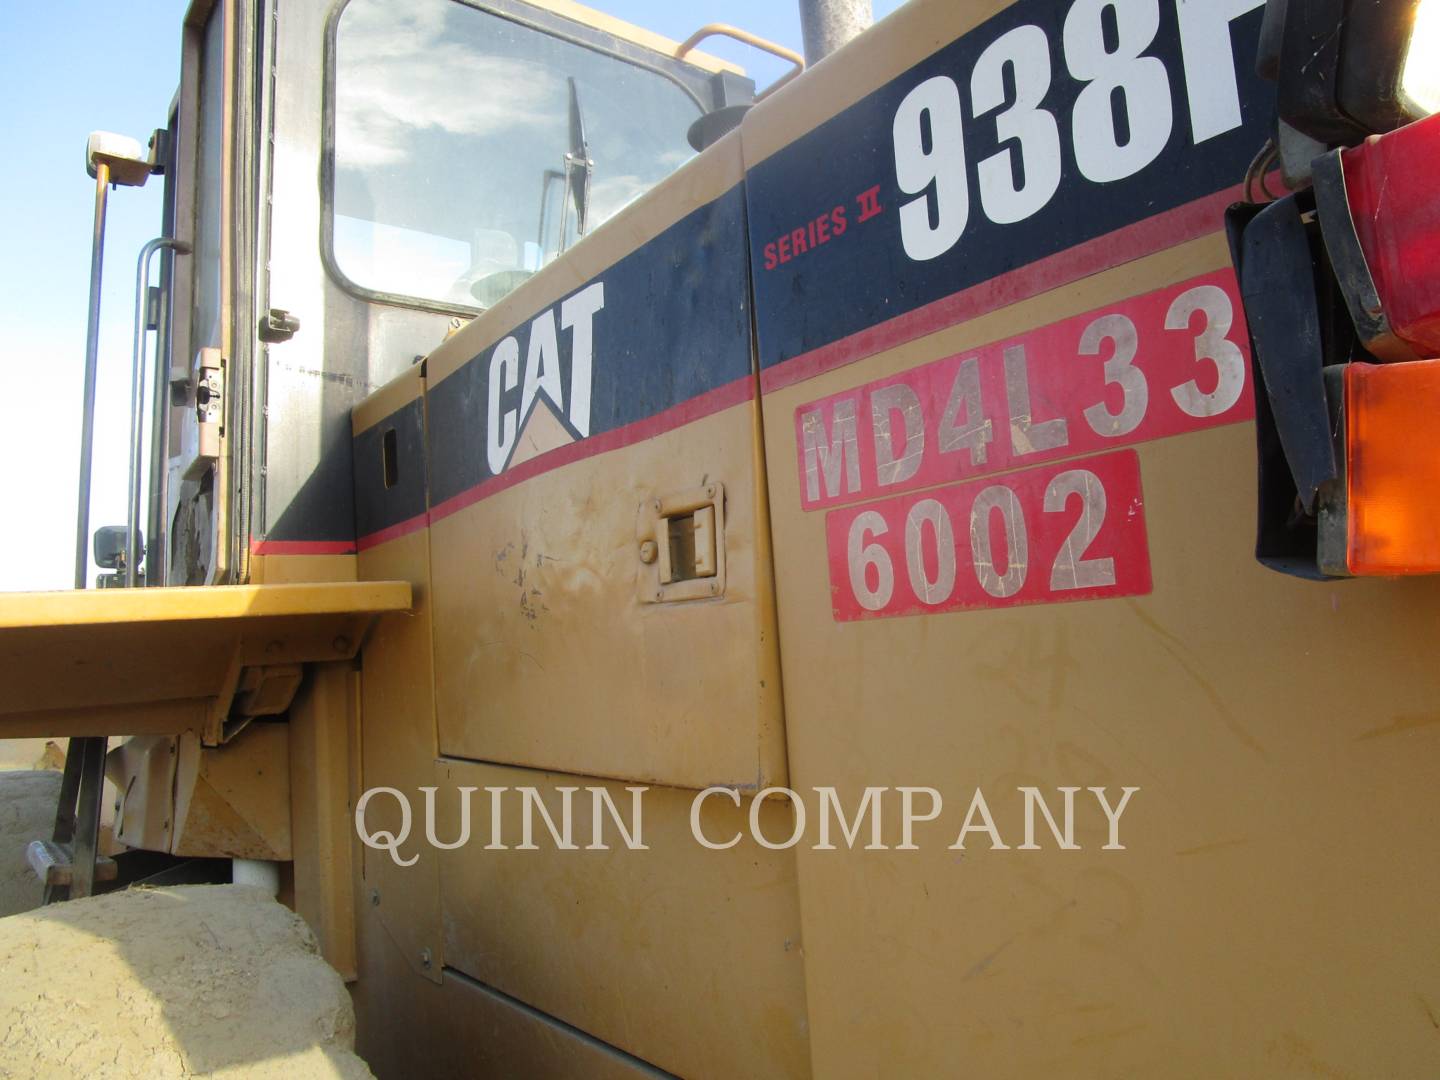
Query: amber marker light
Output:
(1393,468)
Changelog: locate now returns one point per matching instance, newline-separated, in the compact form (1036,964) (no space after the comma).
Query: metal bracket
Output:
(249,691)
(1347,258)
(1332,504)
(1277,284)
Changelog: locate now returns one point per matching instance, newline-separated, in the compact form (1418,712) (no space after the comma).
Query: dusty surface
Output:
(27,812)
(200,979)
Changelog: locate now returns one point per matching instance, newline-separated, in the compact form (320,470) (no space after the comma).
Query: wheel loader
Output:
(922,571)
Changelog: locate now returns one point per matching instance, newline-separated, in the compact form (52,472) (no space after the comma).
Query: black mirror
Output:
(110,543)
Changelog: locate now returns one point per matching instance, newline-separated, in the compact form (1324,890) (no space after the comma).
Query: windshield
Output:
(470,150)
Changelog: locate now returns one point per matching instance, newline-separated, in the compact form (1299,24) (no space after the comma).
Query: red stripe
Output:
(392,532)
(302,547)
(708,403)
(1184,223)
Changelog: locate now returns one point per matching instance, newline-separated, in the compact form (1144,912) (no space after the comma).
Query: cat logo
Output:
(544,415)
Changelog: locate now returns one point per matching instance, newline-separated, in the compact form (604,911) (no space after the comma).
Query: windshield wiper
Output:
(579,168)
(576,175)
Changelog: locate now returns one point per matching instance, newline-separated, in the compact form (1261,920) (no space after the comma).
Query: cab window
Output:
(469,149)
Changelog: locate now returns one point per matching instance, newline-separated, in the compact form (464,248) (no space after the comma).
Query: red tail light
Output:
(1393,187)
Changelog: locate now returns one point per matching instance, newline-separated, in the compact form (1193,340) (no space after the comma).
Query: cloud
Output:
(609,195)
(399,71)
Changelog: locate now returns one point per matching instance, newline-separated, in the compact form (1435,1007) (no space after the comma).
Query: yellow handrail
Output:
(747,38)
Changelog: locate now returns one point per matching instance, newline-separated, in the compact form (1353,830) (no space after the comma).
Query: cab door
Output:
(212,208)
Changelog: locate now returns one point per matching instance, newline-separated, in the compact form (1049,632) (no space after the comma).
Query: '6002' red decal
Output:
(1166,363)
(1070,531)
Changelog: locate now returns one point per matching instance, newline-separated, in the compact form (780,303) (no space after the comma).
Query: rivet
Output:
(341,644)
(426,959)
(374,897)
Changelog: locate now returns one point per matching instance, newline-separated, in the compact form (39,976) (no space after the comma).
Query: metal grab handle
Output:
(747,38)
(92,366)
(137,398)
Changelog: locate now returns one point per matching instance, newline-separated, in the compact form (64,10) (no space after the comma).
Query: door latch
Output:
(681,545)
(277,325)
(209,383)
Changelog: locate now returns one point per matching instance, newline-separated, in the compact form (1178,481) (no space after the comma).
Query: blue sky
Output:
(69,67)
(66,69)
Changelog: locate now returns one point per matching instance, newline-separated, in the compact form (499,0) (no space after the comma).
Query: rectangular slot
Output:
(390,457)
(680,535)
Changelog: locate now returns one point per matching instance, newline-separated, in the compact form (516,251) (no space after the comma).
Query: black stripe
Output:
(676,323)
(863,278)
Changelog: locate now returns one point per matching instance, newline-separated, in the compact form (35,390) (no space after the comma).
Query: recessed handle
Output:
(680,546)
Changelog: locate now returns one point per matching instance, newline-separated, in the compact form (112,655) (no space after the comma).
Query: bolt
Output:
(657,506)
(426,959)
(659,594)
(374,897)
(714,587)
(649,552)
(341,644)
(710,492)
(273,647)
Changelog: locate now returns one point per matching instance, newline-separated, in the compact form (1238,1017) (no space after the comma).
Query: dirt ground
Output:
(27,812)
(203,979)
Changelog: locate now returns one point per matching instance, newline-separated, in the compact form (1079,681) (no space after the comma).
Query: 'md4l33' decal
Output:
(1051,141)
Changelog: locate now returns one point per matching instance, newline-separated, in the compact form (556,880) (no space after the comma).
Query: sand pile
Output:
(199,979)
